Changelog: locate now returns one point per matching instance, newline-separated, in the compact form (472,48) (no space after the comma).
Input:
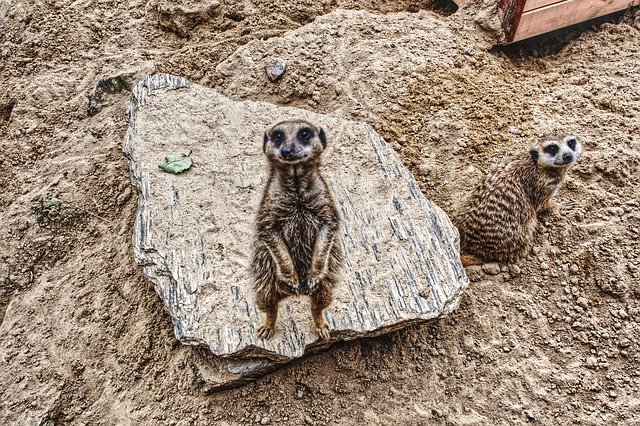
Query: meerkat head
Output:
(558,153)
(294,142)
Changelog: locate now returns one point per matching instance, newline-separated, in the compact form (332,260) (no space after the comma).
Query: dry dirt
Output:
(85,340)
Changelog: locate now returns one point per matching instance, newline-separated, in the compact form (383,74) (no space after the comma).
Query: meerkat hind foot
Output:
(552,208)
(265,331)
(323,332)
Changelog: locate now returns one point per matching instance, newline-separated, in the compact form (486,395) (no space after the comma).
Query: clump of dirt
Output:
(86,340)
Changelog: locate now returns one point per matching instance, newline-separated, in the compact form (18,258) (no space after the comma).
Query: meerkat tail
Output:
(470,260)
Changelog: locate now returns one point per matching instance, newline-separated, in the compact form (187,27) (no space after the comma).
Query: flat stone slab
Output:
(194,231)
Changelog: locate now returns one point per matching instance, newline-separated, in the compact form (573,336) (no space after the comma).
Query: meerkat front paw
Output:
(289,280)
(287,274)
(265,331)
(313,280)
(290,285)
(310,285)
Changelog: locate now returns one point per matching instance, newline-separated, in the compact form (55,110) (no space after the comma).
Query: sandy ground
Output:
(85,340)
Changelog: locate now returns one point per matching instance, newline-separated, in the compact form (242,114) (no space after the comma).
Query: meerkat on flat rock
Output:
(297,250)
(498,220)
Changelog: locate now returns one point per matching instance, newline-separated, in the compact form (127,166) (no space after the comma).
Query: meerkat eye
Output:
(304,134)
(572,144)
(551,149)
(278,137)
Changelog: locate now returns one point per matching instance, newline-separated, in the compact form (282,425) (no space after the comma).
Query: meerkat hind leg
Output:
(319,301)
(550,208)
(269,304)
(268,327)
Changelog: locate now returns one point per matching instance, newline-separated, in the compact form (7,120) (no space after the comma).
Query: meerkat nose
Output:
(286,151)
(567,157)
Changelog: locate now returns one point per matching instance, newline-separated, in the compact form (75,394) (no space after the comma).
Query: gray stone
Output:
(275,68)
(193,232)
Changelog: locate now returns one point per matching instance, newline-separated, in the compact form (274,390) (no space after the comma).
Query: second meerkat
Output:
(297,249)
(498,220)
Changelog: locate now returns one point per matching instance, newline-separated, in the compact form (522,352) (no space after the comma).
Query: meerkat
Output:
(297,251)
(498,220)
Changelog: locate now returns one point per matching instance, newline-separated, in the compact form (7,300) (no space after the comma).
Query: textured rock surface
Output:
(194,231)
(182,16)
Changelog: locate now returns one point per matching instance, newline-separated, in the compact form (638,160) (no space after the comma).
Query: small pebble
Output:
(617,211)
(491,268)
(275,68)
(583,302)
(265,420)
(515,270)
(124,196)
(474,273)
(592,361)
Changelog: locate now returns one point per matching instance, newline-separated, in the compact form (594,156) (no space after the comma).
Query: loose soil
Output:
(552,339)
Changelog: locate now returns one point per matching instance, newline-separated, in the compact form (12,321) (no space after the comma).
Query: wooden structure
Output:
(523,19)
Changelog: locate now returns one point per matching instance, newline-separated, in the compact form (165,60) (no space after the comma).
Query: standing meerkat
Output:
(498,220)
(297,251)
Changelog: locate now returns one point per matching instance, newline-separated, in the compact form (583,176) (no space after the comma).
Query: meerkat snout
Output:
(294,142)
(286,151)
(557,153)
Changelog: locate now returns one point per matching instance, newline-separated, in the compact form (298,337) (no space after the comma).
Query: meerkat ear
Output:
(322,137)
(534,154)
(264,143)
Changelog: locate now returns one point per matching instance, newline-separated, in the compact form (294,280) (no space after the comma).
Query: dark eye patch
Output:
(572,144)
(277,137)
(551,149)
(304,134)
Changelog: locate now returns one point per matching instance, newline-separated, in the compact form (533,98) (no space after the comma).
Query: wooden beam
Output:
(537,4)
(565,13)
(512,11)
